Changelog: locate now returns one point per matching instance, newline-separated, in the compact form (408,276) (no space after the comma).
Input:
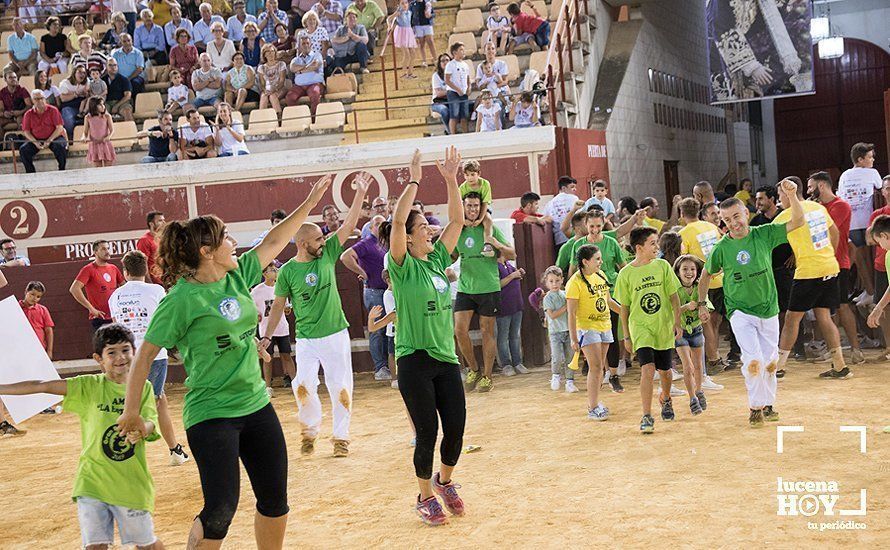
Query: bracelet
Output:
(415,182)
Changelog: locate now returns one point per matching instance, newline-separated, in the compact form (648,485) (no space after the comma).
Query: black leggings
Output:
(430,389)
(217,444)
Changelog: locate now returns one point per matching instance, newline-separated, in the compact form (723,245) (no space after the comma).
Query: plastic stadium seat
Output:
(76,145)
(295,119)
(148,104)
(538,62)
(512,67)
(540,6)
(329,116)
(469,21)
(124,134)
(467,38)
(262,121)
(471,4)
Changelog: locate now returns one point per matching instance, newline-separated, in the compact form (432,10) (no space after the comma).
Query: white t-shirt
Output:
(133,305)
(389,305)
(857,187)
(490,83)
(460,75)
(438,84)
(558,208)
(179,94)
(263,296)
(189,135)
(228,143)
(489,116)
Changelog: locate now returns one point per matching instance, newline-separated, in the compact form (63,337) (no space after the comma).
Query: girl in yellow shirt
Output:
(590,327)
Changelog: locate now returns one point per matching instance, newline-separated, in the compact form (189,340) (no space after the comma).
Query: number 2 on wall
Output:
(20,214)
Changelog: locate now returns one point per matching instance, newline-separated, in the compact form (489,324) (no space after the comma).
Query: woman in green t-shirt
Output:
(210,317)
(429,372)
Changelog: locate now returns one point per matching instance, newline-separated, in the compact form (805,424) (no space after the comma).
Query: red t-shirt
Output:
(840,213)
(880,253)
(9,98)
(99,282)
(519,215)
(39,318)
(149,246)
(526,23)
(42,125)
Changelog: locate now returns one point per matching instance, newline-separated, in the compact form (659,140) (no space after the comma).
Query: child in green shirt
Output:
(688,269)
(650,318)
(112,484)
(474,182)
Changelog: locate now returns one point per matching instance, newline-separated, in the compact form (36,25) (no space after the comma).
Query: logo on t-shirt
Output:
(743,257)
(601,305)
(230,309)
(469,242)
(650,303)
(440,284)
(311,279)
(107,277)
(115,446)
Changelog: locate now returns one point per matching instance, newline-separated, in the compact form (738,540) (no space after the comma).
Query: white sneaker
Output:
(864,299)
(570,386)
(508,371)
(708,384)
(383,374)
(269,392)
(676,391)
(395,384)
(520,369)
(622,367)
(605,378)
(676,375)
(554,382)
(178,457)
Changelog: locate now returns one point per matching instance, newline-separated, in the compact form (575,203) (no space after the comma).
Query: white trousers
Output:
(334,354)
(759,341)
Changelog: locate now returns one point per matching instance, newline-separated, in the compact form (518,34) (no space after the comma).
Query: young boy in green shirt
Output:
(112,484)
(650,318)
(474,182)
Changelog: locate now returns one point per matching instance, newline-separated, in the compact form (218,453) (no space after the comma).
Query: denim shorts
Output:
(421,31)
(391,344)
(157,375)
(458,106)
(694,339)
(857,236)
(97,521)
(587,337)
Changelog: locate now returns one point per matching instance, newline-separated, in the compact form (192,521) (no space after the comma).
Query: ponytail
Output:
(179,252)
(585,252)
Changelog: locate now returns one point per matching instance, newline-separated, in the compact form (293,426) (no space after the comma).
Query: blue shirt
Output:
(170,31)
(127,63)
(21,48)
(314,77)
(236,27)
(201,30)
(268,34)
(153,39)
(606,204)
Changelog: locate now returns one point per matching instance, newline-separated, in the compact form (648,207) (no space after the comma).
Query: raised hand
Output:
(451,165)
(788,186)
(320,186)
(415,172)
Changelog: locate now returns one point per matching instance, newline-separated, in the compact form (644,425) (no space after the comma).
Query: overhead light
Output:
(831,48)
(819,29)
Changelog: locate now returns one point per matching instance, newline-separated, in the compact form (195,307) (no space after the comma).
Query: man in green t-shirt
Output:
(310,283)
(478,291)
(744,256)
(112,484)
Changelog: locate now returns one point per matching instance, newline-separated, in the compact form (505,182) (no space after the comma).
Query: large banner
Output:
(759,49)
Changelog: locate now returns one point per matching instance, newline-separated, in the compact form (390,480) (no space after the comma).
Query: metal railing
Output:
(562,41)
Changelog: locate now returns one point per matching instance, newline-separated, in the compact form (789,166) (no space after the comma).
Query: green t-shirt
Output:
(213,325)
(748,282)
(423,300)
(478,273)
(691,319)
(564,256)
(484,190)
(312,289)
(110,469)
(647,291)
(611,253)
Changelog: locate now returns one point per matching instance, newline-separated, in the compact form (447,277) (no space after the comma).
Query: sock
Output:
(783,358)
(837,359)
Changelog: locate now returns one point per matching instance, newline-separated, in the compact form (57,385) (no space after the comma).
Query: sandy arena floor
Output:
(544,477)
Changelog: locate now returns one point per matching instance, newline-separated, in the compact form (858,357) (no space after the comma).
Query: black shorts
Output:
(784,277)
(281,343)
(844,284)
(715,295)
(881,284)
(486,305)
(807,294)
(663,358)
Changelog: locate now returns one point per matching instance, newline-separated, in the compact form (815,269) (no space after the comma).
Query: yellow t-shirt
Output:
(593,308)
(162,15)
(653,222)
(699,238)
(744,196)
(811,243)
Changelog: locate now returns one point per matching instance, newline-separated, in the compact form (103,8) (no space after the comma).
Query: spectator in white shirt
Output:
(236,23)
(488,113)
(202,31)
(196,138)
(560,205)
(457,79)
(220,49)
(177,22)
(229,133)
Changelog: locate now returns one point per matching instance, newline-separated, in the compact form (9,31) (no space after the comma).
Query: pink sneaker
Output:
(449,495)
(430,511)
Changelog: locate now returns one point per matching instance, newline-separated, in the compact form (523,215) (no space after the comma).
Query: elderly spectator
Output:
(203,29)
(252,45)
(207,82)
(285,45)
(120,93)
(53,48)
(16,101)
(8,256)
(440,91)
(127,9)
(235,24)
(196,138)
(308,69)
(73,90)
(371,17)
(112,38)
(184,56)
(350,43)
(163,140)
(150,39)
(269,18)
(78,29)
(240,83)
(330,13)
(229,134)
(43,128)
(318,36)
(379,207)
(88,57)
(177,21)
(273,79)
(22,48)
(130,64)
(220,49)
